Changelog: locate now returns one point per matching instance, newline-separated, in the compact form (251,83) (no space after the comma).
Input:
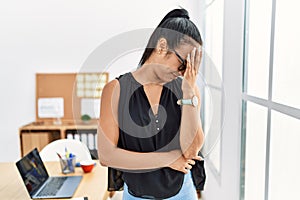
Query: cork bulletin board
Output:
(72,88)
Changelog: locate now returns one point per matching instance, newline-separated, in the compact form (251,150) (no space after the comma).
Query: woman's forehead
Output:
(191,41)
(187,48)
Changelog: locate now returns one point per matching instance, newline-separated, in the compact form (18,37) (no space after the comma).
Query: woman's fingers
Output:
(190,161)
(193,55)
(193,63)
(184,165)
(188,65)
(188,166)
(198,59)
(198,158)
(193,58)
(184,170)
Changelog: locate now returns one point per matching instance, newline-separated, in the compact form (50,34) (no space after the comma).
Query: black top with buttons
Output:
(142,131)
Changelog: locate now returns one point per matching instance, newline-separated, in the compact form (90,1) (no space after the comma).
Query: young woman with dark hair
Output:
(150,127)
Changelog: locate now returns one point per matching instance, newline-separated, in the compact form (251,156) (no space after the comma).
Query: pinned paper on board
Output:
(90,85)
(51,107)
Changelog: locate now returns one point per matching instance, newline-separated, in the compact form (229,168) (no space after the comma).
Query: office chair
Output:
(79,149)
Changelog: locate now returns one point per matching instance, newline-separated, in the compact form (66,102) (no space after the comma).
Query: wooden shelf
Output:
(39,134)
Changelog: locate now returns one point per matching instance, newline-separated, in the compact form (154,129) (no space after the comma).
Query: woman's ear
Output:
(162,46)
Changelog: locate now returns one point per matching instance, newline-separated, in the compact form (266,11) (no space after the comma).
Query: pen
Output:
(67,153)
(58,155)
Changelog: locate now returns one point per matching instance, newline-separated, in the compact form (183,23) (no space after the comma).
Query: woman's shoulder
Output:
(112,83)
(117,82)
(110,87)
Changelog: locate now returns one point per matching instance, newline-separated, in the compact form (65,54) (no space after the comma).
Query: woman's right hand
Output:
(182,164)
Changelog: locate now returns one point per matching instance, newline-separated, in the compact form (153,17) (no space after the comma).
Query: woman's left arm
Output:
(191,133)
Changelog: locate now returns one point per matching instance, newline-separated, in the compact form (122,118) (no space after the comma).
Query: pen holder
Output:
(67,164)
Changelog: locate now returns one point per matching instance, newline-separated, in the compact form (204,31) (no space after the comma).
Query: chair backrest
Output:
(79,149)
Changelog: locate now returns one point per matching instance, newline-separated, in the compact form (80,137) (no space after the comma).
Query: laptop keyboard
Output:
(52,186)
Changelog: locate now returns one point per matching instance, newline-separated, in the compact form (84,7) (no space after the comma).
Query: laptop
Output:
(38,183)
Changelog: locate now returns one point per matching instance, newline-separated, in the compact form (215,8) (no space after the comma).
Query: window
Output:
(271,101)
(213,92)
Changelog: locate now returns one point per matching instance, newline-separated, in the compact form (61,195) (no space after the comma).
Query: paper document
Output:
(51,107)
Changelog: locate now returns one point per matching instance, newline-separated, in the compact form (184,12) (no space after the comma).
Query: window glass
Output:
(284,157)
(212,126)
(286,70)
(212,71)
(258,33)
(215,158)
(213,41)
(255,153)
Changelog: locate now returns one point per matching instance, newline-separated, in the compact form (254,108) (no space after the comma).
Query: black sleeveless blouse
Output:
(142,131)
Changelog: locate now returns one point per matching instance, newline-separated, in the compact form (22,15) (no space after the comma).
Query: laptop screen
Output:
(33,171)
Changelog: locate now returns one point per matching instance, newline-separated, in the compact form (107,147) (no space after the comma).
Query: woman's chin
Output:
(172,78)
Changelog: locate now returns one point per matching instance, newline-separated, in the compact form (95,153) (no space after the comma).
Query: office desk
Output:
(93,185)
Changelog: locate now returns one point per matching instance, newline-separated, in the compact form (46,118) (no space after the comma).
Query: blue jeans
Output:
(187,191)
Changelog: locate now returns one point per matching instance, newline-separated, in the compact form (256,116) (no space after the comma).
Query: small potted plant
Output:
(86,118)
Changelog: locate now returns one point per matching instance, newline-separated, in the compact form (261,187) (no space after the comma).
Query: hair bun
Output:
(178,13)
(181,13)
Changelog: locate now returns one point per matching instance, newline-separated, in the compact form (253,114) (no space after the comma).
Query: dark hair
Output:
(174,27)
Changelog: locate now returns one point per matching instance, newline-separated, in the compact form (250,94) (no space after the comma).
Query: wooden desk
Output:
(39,134)
(93,185)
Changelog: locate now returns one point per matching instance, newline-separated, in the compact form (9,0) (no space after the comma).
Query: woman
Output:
(150,124)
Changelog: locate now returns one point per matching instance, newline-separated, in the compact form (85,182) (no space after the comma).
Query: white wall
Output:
(57,36)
